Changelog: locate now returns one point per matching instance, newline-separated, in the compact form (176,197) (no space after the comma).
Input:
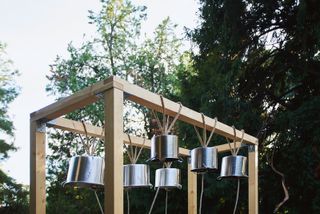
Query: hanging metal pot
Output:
(168,178)
(233,167)
(164,148)
(204,159)
(86,172)
(136,176)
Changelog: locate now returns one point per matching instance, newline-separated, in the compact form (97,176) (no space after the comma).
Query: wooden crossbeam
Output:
(153,101)
(95,131)
(75,101)
(138,95)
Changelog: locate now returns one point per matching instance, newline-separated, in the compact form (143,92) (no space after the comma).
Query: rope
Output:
(201,193)
(234,151)
(95,193)
(132,152)
(166,204)
(128,202)
(154,200)
(237,198)
(165,126)
(203,140)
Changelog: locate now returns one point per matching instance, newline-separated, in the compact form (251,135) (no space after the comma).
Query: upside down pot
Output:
(164,148)
(136,176)
(204,159)
(86,172)
(168,178)
(233,167)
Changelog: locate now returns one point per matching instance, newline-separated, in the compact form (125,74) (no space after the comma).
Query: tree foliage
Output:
(258,68)
(119,50)
(13,196)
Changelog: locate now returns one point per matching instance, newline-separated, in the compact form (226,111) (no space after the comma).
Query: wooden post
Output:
(37,168)
(253,179)
(192,190)
(113,175)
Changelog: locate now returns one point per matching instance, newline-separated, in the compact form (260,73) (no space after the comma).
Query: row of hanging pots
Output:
(88,172)
(205,159)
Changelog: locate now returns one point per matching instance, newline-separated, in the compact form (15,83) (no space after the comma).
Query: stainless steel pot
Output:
(164,148)
(204,159)
(136,175)
(86,172)
(233,167)
(168,178)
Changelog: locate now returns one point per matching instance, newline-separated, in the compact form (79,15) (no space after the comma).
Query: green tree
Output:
(119,50)
(13,196)
(258,68)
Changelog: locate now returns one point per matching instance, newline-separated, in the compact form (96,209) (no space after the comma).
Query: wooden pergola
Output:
(114,91)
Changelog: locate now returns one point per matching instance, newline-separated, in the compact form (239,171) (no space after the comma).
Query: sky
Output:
(36,31)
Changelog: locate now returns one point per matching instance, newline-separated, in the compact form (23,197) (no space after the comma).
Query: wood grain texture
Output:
(113,176)
(37,170)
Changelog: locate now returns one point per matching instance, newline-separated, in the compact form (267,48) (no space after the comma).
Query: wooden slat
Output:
(76,127)
(74,102)
(95,131)
(253,180)
(113,182)
(152,101)
(192,191)
(37,170)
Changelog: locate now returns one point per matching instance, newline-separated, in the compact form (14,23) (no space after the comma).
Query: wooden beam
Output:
(95,131)
(76,127)
(37,168)
(76,101)
(113,182)
(253,180)
(192,190)
(138,95)
(152,101)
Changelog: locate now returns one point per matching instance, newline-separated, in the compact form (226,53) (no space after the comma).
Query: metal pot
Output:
(164,148)
(86,172)
(233,167)
(136,175)
(168,178)
(204,159)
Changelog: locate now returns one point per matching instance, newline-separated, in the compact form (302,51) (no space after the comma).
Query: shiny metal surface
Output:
(136,176)
(233,167)
(168,178)
(86,172)
(164,148)
(204,159)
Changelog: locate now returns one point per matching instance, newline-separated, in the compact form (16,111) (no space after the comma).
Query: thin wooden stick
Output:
(283,183)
